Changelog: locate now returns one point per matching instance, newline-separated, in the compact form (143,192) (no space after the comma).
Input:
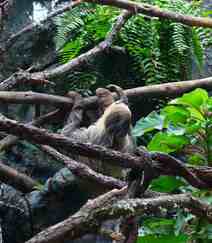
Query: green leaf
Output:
(163,239)
(195,99)
(207,13)
(166,184)
(197,159)
(175,114)
(196,114)
(151,122)
(181,221)
(167,143)
(192,126)
(175,130)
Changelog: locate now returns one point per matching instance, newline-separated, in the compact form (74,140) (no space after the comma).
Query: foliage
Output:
(183,126)
(159,50)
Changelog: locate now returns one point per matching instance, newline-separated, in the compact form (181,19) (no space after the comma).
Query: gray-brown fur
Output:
(111,130)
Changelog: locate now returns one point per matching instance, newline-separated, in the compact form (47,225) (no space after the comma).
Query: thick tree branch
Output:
(57,141)
(60,142)
(14,178)
(85,57)
(171,89)
(83,171)
(56,115)
(21,77)
(30,97)
(76,62)
(108,206)
(155,11)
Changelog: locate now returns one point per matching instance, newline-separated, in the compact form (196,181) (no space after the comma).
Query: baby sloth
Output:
(112,130)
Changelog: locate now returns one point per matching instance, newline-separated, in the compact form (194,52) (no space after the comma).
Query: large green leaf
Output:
(166,184)
(151,122)
(196,99)
(167,143)
(163,239)
(175,114)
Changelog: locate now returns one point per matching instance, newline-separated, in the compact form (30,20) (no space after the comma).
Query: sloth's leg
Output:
(75,117)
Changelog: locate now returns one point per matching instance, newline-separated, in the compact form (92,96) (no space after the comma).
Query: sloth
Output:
(112,129)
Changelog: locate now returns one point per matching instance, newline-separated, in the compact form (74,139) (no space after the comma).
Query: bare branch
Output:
(171,89)
(85,57)
(30,97)
(83,171)
(154,11)
(21,77)
(108,206)
(10,140)
(14,178)
(41,136)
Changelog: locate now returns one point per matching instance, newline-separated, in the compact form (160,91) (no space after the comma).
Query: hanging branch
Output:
(109,205)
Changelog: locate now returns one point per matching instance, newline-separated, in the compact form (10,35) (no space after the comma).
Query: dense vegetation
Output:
(158,50)
(146,51)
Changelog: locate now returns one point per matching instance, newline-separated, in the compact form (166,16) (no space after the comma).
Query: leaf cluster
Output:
(184,127)
(158,50)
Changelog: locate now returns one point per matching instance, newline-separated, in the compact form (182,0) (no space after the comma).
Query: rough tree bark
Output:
(171,89)
(16,179)
(109,205)
(41,136)
(154,11)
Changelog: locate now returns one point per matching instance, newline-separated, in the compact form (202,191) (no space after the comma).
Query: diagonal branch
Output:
(85,57)
(21,77)
(14,178)
(83,171)
(107,206)
(41,136)
(76,62)
(56,115)
(154,11)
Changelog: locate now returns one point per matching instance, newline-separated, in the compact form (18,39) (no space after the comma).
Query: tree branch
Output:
(83,58)
(83,171)
(21,77)
(171,89)
(14,178)
(109,205)
(154,11)
(10,140)
(41,136)
(76,62)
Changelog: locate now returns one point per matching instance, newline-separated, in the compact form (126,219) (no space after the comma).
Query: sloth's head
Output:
(116,120)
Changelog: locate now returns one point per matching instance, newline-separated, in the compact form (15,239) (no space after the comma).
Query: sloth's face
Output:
(117,123)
